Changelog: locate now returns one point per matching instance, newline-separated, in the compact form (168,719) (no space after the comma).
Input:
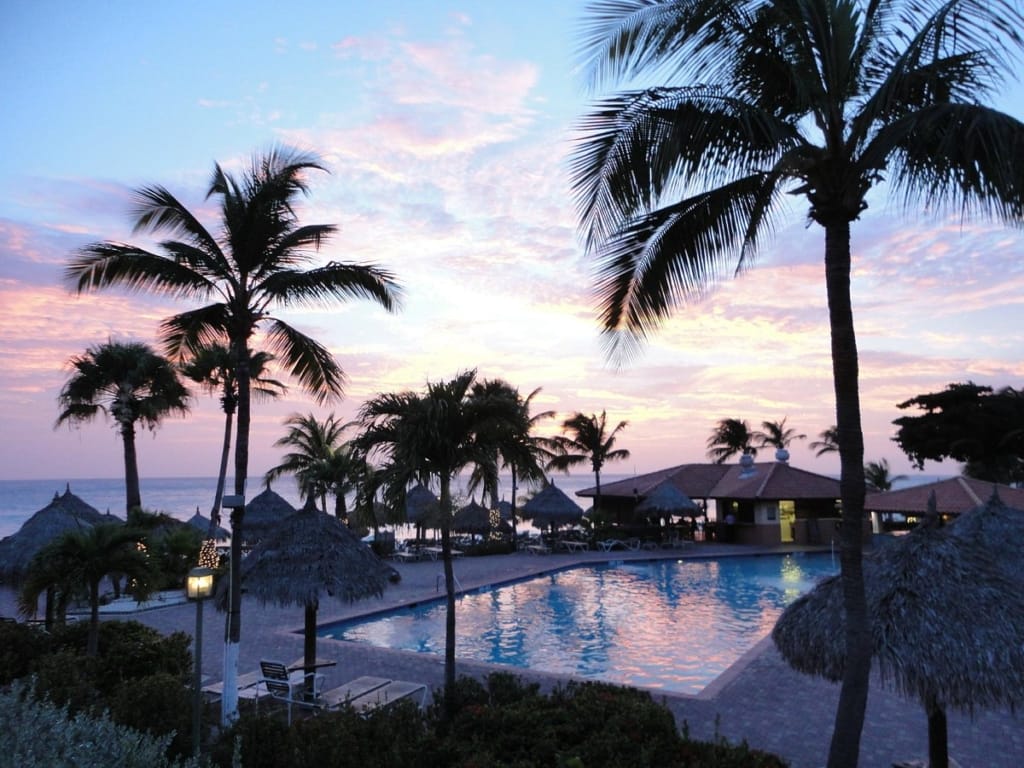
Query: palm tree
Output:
(252,265)
(729,437)
(212,366)
(588,441)
(877,477)
(773,99)
(827,442)
(432,437)
(777,435)
(82,559)
(133,385)
(516,448)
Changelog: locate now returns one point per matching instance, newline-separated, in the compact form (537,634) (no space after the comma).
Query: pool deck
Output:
(759,699)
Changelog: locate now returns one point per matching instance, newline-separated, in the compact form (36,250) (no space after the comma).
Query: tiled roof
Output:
(954,495)
(764,480)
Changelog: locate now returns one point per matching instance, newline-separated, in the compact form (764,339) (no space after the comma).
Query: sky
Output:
(445,127)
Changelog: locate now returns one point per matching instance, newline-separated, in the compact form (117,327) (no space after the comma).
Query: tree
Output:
(827,442)
(973,424)
(877,476)
(253,265)
(773,100)
(133,385)
(516,447)
(588,441)
(212,366)
(432,437)
(777,435)
(729,437)
(81,559)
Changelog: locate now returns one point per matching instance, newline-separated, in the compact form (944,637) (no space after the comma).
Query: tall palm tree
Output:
(212,367)
(877,476)
(517,449)
(82,559)
(133,385)
(777,434)
(771,99)
(729,437)
(588,441)
(827,442)
(252,265)
(431,437)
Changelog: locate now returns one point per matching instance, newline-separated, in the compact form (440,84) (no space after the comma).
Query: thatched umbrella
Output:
(306,556)
(666,500)
(65,512)
(263,513)
(552,507)
(946,613)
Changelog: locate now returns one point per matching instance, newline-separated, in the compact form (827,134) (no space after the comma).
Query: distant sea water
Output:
(181,496)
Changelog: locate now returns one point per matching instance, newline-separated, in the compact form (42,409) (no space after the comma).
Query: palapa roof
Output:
(551,506)
(763,481)
(263,513)
(65,512)
(953,496)
(309,555)
(946,608)
(667,499)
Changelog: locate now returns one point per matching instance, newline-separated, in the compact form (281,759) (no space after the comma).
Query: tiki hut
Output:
(666,500)
(263,513)
(307,556)
(552,507)
(65,512)
(946,611)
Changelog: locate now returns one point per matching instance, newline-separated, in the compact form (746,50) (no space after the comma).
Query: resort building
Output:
(754,502)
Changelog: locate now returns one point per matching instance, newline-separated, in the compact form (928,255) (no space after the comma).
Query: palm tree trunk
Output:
(222,474)
(133,496)
(449,590)
(849,721)
(92,643)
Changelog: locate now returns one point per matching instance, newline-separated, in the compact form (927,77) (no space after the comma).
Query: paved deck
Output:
(759,699)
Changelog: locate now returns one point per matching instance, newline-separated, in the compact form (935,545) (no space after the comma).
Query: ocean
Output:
(181,496)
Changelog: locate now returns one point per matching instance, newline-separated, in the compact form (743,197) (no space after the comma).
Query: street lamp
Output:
(198,587)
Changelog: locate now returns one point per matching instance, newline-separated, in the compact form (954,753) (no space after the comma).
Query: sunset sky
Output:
(445,127)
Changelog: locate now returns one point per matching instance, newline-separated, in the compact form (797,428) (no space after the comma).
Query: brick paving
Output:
(760,699)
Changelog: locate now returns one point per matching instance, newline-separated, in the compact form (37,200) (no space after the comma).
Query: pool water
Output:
(670,625)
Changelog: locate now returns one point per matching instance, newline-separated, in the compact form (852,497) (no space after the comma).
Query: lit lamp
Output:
(198,587)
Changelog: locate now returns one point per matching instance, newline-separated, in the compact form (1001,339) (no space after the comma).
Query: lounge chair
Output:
(290,687)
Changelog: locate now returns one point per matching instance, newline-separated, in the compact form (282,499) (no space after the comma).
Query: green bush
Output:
(38,734)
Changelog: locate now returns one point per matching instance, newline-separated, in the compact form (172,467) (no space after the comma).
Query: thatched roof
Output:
(202,524)
(667,499)
(422,506)
(309,555)
(263,513)
(65,512)
(946,607)
(552,507)
(472,518)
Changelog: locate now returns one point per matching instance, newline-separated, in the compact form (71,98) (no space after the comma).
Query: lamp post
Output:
(198,586)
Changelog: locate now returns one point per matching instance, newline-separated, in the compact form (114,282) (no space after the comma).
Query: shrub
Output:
(38,734)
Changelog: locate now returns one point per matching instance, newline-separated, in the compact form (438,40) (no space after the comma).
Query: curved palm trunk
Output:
(133,496)
(449,590)
(853,695)
(233,630)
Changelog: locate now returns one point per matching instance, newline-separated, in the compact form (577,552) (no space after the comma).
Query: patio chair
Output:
(290,687)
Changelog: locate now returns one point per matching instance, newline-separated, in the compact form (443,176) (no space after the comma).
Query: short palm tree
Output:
(588,441)
(431,437)
(730,437)
(253,264)
(777,435)
(133,385)
(827,442)
(772,100)
(212,367)
(81,559)
(878,477)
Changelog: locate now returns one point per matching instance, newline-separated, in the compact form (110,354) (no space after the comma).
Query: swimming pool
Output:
(667,624)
